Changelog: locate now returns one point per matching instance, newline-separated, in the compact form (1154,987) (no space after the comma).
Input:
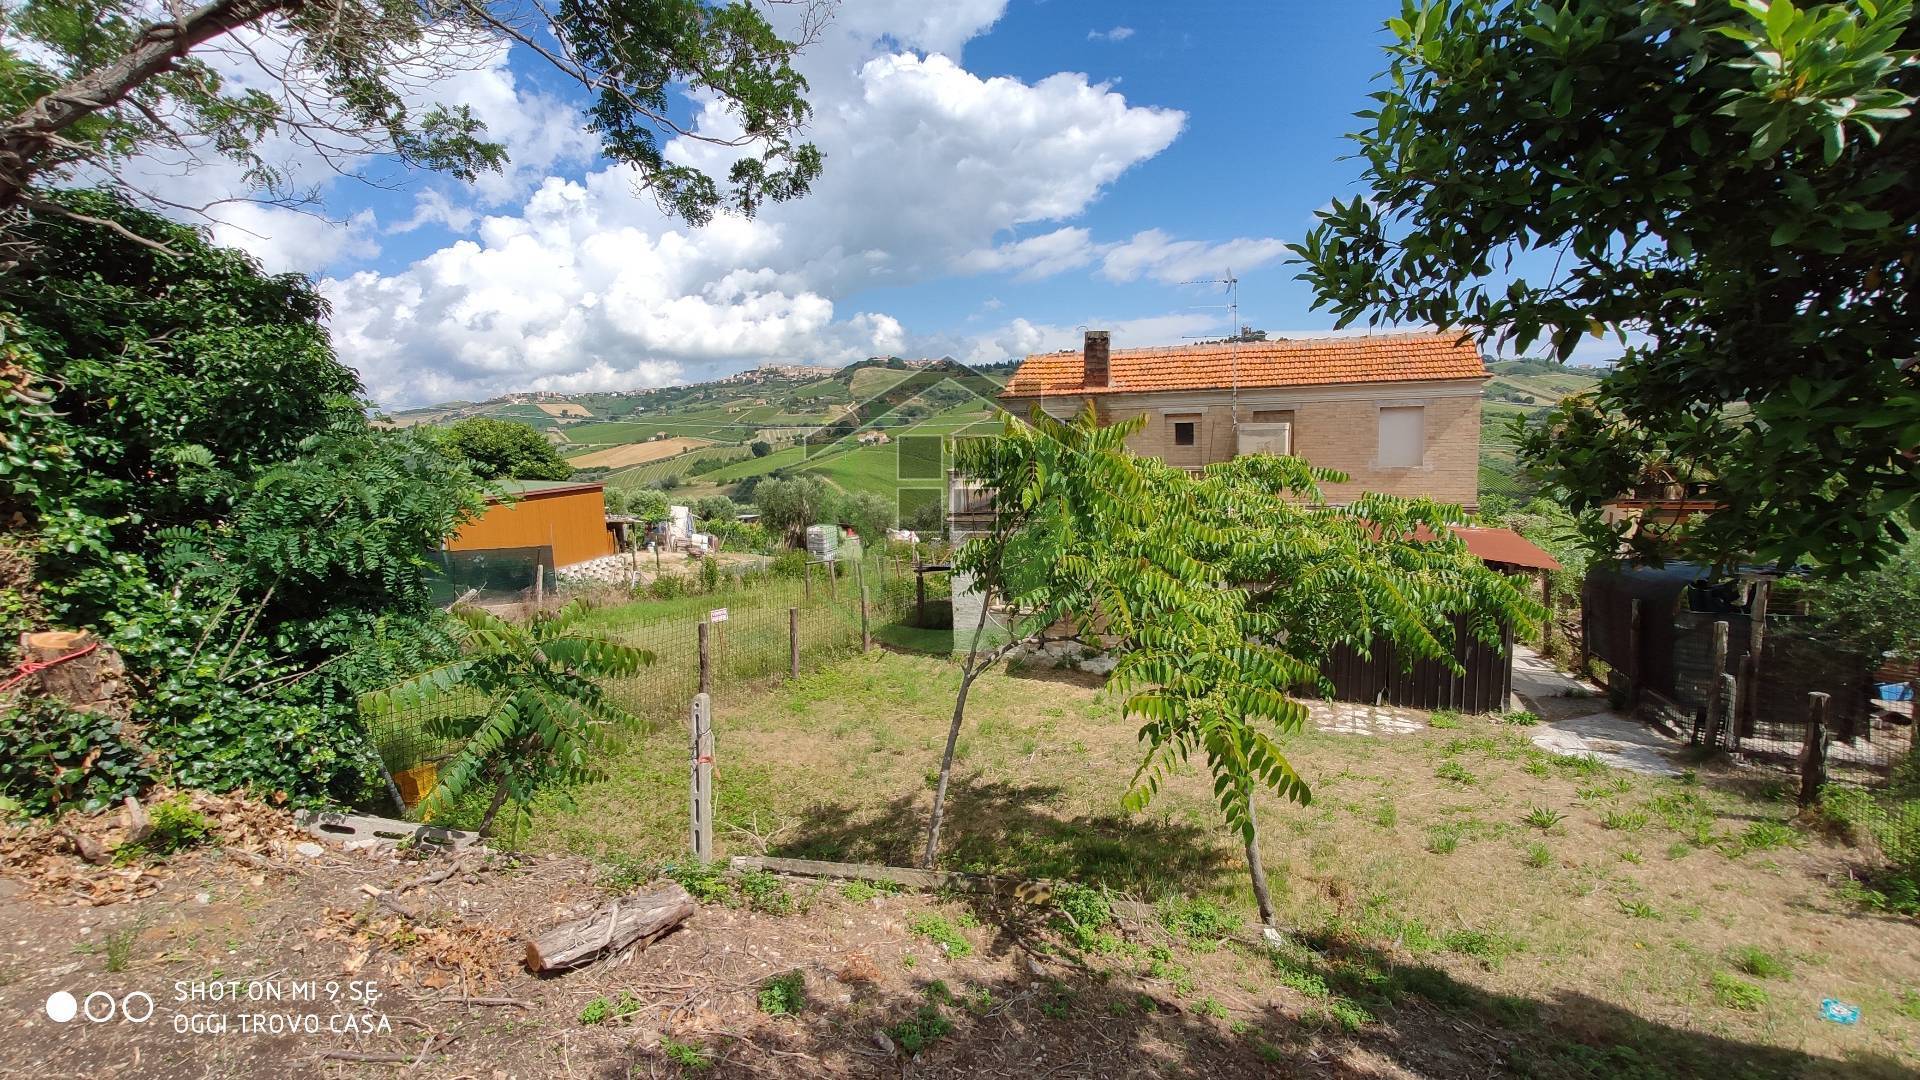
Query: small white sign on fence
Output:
(718,614)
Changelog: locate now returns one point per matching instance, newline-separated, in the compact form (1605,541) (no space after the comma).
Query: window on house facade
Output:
(1403,437)
(1186,432)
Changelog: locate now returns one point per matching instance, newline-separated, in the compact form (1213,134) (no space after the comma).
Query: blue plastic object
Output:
(1839,1011)
(1896,691)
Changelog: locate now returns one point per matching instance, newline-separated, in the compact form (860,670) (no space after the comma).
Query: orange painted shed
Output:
(570,518)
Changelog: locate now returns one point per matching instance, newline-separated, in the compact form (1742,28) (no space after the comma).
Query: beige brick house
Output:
(1399,413)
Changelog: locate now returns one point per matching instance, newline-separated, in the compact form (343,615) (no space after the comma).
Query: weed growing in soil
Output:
(689,1056)
(784,995)
(1762,836)
(1456,772)
(1202,924)
(1740,994)
(764,892)
(1443,839)
(1387,816)
(625,873)
(120,947)
(1210,1007)
(924,1027)
(1755,961)
(861,891)
(1518,718)
(935,928)
(707,884)
(1083,911)
(1624,820)
(1444,719)
(601,1009)
(177,826)
(1640,909)
(1544,818)
(1162,967)
(1539,856)
(1908,1004)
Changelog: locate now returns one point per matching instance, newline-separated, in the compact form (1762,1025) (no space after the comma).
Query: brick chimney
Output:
(1096,355)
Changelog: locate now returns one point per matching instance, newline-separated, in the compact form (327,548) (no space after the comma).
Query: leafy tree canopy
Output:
(870,515)
(506,449)
(92,83)
(1726,187)
(790,504)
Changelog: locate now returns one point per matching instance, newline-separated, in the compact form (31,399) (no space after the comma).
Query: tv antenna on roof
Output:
(1234,331)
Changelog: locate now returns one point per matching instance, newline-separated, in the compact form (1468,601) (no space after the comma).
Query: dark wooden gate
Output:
(1484,686)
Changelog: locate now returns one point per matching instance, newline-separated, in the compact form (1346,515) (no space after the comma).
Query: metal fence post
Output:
(793,642)
(702,776)
(866,635)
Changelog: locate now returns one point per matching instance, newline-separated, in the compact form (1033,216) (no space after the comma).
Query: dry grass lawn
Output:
(620,457)
(1611,923)
(565,408)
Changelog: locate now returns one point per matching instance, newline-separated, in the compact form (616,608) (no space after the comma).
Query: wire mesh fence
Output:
(755,628)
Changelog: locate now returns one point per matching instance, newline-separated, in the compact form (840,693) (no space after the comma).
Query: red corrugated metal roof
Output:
(1251,364)
(1506,546)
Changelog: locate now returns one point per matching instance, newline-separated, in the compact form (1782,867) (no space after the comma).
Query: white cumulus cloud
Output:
(1118,33)
(1152,253)
(586,283)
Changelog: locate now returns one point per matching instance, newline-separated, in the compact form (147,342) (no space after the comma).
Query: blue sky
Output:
(1000,174)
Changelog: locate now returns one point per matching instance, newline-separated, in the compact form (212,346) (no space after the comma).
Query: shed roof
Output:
(1417,357)
(1506,546)
(534,489)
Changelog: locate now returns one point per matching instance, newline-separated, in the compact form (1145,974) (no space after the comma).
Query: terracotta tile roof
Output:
(1285,362)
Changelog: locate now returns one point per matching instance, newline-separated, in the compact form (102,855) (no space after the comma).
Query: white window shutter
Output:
(1403,437)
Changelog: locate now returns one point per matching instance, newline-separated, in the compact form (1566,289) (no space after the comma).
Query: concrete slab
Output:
(1353,718)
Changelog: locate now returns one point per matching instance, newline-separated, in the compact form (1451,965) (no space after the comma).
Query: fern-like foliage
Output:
(1224,592)
(540,715)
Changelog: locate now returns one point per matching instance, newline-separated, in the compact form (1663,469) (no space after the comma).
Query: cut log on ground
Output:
(640,919)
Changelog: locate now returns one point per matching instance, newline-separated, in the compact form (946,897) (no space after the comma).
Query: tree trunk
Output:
(1258,869)
(493,808)
(967,674)
(946,770)
(26,137)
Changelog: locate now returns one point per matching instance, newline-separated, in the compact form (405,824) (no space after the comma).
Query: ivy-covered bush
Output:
(191,475)
(53,758)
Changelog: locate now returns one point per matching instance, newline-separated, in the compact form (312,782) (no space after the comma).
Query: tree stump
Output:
(95,681)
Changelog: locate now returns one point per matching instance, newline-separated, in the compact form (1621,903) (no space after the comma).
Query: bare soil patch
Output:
(637,453)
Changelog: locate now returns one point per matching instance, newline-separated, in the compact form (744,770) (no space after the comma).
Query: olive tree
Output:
(1726,188)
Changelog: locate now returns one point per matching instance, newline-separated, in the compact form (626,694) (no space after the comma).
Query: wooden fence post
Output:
(1633,654)
(1546,624)
(706,659)
(793,642)
(807,568)
(832,573)
(1756,644)
(866,635)
(702,778)
(1716,700)
(1813,755)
